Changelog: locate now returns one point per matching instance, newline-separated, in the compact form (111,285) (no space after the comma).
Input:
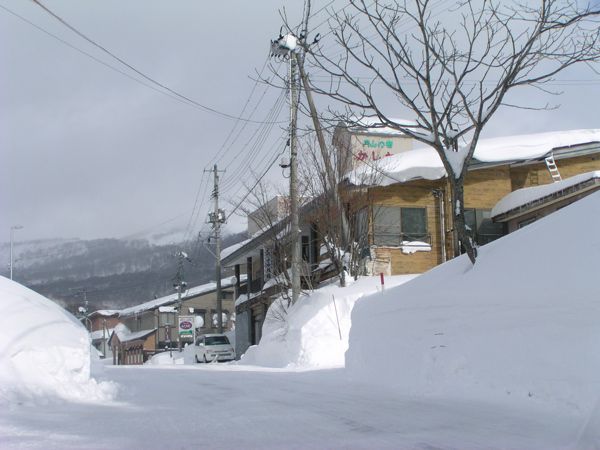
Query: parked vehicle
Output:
(214,347)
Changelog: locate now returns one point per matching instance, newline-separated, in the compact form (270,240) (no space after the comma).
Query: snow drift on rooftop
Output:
(523,196)
(191,292)
(44,350)
(531,146)
(408,165)
(372,124)
(520,325)
(425,163)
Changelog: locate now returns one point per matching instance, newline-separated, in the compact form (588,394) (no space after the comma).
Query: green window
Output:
(393,225)
(413,224)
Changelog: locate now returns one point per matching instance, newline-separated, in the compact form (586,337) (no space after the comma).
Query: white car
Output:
(214,347)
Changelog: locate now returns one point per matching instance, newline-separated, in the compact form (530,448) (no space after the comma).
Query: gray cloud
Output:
(86,152)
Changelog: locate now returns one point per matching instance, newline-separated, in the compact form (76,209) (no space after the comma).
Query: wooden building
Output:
(407,212)
(400,211)
(131,348)
(161,315)
(101,324)
(265,260)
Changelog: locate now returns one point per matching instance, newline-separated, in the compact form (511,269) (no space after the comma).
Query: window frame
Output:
(391,232)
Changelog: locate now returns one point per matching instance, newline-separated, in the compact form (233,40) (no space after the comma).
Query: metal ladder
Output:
(553,168)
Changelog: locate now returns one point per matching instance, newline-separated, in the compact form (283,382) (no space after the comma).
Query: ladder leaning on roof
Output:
(553,168)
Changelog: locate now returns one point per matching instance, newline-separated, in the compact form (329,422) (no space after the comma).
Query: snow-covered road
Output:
(227,406)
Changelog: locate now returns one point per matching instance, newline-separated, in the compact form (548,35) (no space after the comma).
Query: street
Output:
(228,406)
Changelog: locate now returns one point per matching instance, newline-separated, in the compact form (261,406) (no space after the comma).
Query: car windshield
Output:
(216,340)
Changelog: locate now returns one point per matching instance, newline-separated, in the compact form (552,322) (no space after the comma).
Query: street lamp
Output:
(12,232)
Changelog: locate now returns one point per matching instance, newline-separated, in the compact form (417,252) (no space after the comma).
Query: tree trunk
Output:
(458,215)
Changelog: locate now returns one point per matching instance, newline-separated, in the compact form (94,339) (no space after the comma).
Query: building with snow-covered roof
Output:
(131,348)
(399,212)
(364,141)
(402,203)
(264,260)
(198,304)
(100,323)
(527,205)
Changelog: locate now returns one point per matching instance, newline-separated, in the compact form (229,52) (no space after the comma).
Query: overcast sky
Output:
(87,152)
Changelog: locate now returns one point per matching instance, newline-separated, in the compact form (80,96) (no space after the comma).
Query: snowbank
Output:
(521,325)
(175,357)
(307,334)
(44,350)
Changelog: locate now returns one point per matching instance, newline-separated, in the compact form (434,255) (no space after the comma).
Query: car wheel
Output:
(205,360)
(196,358)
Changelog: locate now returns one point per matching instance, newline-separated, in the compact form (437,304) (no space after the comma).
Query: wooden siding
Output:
(537,174)
(486,187)
(483,188)
(417,193)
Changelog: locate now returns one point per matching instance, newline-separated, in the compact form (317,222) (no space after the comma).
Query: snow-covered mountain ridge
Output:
(114,272)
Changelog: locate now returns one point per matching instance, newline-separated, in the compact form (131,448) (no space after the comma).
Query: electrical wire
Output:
(256,140)
(176,94)
(255,184)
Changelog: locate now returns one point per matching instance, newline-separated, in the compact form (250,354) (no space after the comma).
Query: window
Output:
(393,225)
(483,230)
(216,340)
(361,231)
(200,318)
(166,318)
(224,318)
(305,249)
(413,224)
(525,222)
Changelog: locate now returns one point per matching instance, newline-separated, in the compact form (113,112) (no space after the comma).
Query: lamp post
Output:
(12,232)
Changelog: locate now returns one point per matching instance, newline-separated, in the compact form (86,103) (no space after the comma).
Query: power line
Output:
(255,184)
(173,93)
(265,130)
(257,139)
(243,127)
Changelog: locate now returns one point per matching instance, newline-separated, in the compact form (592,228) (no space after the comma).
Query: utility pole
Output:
(12,232)
(216,218)
(294,179)
(84,310)
(286,47)
(179,286)
(294,48)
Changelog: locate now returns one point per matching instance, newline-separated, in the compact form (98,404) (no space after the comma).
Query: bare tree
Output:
(346,248)
(453,74)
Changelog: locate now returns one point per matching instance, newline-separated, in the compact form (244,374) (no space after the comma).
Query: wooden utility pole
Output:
(295,225)
(216,218)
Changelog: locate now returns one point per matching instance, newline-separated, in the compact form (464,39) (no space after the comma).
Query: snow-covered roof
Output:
(424,163)
(105,312)
(409,165)
(126,335)
(372,125)
(229,250)
(99,334)
(279,230)
(191,292)
(525,196)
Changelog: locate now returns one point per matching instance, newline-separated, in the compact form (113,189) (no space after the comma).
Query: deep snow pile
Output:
(523,324)
(307,334)
(185,356)
(44,350)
